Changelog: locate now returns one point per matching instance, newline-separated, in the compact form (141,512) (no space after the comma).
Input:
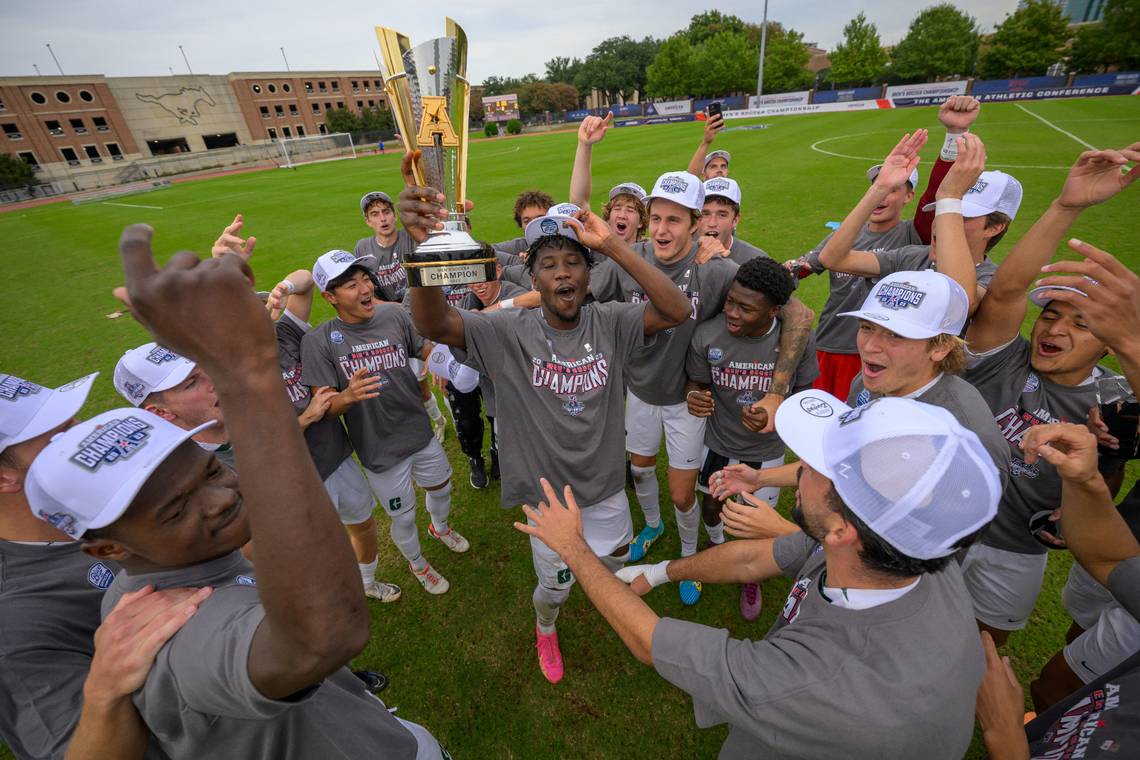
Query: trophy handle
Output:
(461,108)
(393,45)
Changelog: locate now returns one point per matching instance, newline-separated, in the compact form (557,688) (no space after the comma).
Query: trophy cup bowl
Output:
(430,97)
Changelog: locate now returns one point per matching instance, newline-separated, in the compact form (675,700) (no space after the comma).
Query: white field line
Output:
(130,205)
(873,159)
(499,153)
(1050,124)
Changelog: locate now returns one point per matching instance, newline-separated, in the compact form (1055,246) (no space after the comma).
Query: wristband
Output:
(656,575)
(289,286)
(950,146)
(948,206)
(507,304)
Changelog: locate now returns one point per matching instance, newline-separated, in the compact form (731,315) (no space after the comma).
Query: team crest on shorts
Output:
(900,295)
(12,388)
(336,336)
(1032,383)
(715,354)
(573,406)
(100,576)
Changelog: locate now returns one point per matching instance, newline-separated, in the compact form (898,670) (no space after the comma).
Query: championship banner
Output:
(669,108)
(788,110)
(929,94)
(779,99)
(1059,92)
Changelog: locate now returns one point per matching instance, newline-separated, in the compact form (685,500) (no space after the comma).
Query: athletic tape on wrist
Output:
(289,286)
(950,145)
(657,574)
(948,206)
(507,304)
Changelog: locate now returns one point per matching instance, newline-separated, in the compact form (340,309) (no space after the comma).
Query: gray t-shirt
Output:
(962,400)
(198,700)
(513,246)
(472,303)
(393,279)
(655,374)
(393,426)
(835,335)
(1019,399)
(328,443)
(912,258)
(741,251)
(892,681)
(517,275)
(49,610)
(739,372)
(561,395)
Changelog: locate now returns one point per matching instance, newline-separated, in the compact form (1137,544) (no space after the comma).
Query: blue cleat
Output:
(639,546)
(690,592)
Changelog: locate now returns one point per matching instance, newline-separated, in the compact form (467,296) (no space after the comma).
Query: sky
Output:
(133,38)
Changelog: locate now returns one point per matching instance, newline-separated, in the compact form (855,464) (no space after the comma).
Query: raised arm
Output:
(295,293)
(713,125)
(952,251)
(314,621)
(590,132)
(957,114)
(837,255)
(1094,178)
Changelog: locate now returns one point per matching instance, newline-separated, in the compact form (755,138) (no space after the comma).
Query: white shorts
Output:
(350,493)
(1114,637)
(427,748)
(393,487)
(715,462)
(419,367)
(1083,597)
(607,526)
(1003,585)
(684,433)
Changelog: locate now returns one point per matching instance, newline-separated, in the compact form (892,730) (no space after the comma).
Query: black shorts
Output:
(715,462)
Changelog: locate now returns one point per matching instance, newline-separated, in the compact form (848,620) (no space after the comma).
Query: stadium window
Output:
(309,87)
(355,86)
(340,104)
(371,103)
(62,96)
(100,124)
(316,107)
(272,133)
(38,98)
(256,89)
(225,140)
(69,156)
(328,106)
(378,84)
(286,132)
(2,106)
(271,87)
(285,87)
(335,85)
(78,125)
(322,129)
(93,154)
(278,111)
(366,86)
(321,86)
(168,147)
(113,151)
(360,105)
(292,109)
(265,112)
(29,158)
(86,96)
(300,130)
(12,132)
(54,128)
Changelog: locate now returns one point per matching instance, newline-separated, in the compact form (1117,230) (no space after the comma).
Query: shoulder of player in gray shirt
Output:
(902,234)
(742,251)
(513,246)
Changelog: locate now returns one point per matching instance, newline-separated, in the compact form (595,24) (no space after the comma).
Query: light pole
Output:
(763,44)
(285,59)
(185,60)
(48,46)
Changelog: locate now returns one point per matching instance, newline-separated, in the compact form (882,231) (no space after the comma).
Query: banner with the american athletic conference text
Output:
(931,93)
(791,109)
(779,99)
(669,108)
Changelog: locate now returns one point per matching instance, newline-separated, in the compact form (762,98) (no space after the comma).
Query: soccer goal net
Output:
(308,150)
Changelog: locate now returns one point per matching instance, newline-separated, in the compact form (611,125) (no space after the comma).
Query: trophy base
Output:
(450,257)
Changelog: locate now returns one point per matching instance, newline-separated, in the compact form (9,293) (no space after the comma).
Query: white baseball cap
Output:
(89,475)
(550,224)
(335,263)
(563,209)
(718,154)
(1037,295)
(994,191)
(629,188)
(28,410)
(918,304)
(375,195)
(874,172)
(723,187)
(148,369)
(680,187)
(916,477)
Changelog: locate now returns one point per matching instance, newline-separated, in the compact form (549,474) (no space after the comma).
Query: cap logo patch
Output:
(853,415)
(137,391)
(900,296)
(979,187)
(61,521)
(816,407)
(12,388)
(716,185)
(565,209)
(100,576)
(342,257)
(674,185)
(118,439)
(159,355)
(548,227)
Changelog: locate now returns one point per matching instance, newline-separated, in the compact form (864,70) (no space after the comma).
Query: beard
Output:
(808,526)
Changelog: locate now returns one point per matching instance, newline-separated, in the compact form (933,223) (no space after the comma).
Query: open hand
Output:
(1098,175)
(362,386)
(230,242)
(734,479)
(554,523)
(754,519)
(901,161)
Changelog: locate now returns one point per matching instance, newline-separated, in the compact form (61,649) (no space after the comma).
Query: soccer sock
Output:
(547,602)
(439,507)
(648,493)
(431,406)
(688,527)
(716,532)
(368,572)
(406,538)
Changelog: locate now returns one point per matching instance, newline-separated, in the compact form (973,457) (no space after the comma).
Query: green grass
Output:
(464,664)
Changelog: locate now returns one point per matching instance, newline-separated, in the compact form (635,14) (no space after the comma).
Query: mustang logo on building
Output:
(183,104)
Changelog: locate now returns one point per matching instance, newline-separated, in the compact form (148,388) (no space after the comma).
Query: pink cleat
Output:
(750,601)
(549,655)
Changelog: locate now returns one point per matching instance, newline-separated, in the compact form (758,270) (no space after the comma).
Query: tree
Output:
(505,85)
(562,69)
(342,120)
(669,74)
(537,97)
(705,26)
(1122,32)
(942,41)
(15,172)
(1090,50)
(617,66)
(1026,43)
(785,62)
(724,63)
(860,59)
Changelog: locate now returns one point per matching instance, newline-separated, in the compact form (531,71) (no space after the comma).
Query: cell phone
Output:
(714,109)
(1123,421)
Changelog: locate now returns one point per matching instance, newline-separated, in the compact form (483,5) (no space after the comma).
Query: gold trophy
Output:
(430,96)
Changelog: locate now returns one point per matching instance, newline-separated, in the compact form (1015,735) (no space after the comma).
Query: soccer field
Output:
(464,664)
